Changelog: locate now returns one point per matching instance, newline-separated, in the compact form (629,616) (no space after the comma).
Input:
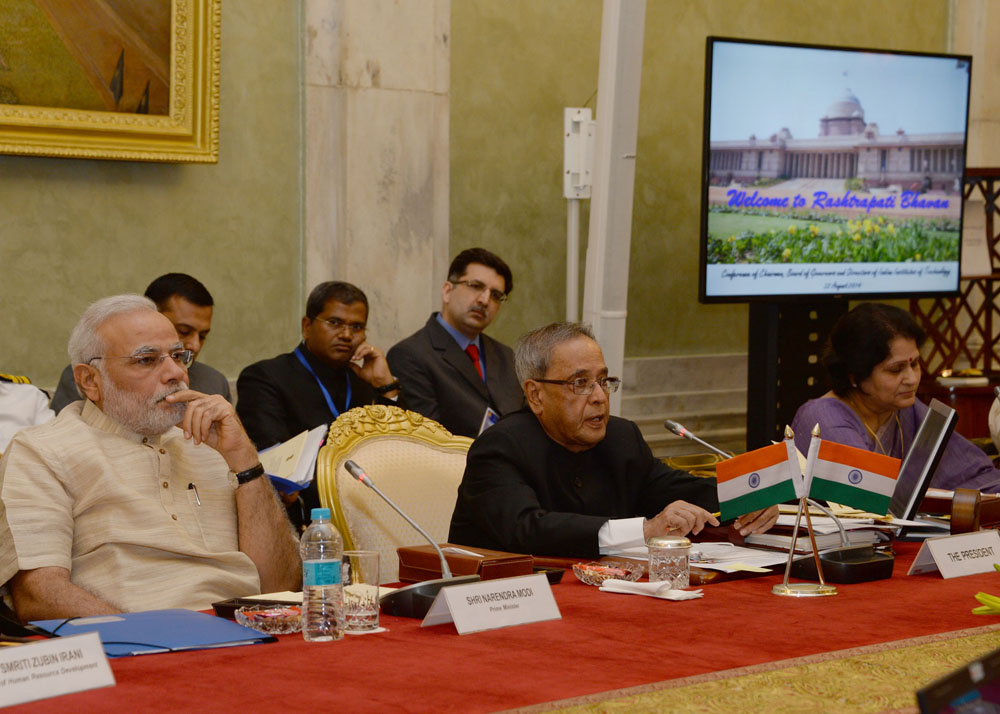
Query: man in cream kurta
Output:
(115,509)
(112,507)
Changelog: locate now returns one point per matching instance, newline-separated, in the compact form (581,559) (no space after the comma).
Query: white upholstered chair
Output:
(413,460)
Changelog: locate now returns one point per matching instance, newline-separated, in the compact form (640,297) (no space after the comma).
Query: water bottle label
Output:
(320,572)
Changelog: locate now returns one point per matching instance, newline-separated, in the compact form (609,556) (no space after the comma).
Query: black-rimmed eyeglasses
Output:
(336,324)
(478,287)
(152,359)
(584,385)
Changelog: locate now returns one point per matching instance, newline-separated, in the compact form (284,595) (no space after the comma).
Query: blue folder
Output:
(154,631)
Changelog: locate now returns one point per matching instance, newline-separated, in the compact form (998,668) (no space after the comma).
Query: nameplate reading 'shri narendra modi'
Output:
(493,604)
(957,555)
(53,667)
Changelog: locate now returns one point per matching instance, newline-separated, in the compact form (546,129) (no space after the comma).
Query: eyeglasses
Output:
(336,324)
(585,385)
(152,359)
(478,287)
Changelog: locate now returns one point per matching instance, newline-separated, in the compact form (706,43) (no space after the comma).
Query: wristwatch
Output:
(394,384)
(250,474)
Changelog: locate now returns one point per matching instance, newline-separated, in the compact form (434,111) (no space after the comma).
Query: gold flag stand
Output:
(820,589)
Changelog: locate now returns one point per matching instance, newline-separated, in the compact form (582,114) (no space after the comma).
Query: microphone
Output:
(359,473)
(412,600)
(676,428)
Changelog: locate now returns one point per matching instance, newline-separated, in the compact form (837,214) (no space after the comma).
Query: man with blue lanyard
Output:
(333,369)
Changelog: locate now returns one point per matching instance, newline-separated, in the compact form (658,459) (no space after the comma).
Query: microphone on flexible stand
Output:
(412,600)
(682,431)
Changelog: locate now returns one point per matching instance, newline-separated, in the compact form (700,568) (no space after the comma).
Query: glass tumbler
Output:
(668,561)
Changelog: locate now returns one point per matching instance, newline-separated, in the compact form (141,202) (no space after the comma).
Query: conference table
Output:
(738,648)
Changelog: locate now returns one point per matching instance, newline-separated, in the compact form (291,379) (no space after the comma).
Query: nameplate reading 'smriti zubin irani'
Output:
(493,604)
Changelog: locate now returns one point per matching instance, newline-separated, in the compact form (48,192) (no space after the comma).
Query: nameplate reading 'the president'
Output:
(52,667)
(957,555)
(493,604)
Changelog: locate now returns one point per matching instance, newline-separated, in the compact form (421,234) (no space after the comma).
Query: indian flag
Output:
(853,477)
(757,479)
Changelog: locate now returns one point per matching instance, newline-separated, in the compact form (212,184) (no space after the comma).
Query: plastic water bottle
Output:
(322,591)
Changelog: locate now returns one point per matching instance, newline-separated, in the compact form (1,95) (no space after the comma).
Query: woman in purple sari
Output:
(873,362)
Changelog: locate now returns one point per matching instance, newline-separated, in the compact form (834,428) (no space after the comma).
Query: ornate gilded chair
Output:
(413,460)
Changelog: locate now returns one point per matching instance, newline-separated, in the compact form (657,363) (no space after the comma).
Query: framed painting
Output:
(133,80)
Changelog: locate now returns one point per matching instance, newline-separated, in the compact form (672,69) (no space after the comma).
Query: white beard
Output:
(147,418)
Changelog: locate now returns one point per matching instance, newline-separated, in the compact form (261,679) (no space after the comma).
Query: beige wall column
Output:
(376,154)
(975,27)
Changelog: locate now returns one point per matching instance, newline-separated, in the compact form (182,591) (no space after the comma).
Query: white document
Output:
(958,555)
(493,604)
(53,667)
(825,524)
(295,460)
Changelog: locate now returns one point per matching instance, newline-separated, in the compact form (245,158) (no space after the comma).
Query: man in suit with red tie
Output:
(449,370)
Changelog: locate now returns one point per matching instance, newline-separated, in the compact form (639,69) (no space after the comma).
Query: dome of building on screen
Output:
(846,147)
(844,117)
(846,107)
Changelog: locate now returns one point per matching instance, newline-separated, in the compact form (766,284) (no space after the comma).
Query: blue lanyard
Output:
(326,394)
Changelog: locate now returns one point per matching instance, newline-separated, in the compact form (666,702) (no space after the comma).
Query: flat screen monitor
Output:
(831,171)
(922,460)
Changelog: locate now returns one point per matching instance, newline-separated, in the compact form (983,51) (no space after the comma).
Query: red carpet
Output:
(603,642)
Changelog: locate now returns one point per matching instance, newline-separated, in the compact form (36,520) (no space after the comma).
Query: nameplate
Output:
(958,555)
(494,604)
(50,668)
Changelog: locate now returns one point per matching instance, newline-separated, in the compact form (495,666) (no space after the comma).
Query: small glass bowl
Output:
(595,573)
(271,620)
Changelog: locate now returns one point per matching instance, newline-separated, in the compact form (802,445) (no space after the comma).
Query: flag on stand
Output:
(853,477)
(757,479)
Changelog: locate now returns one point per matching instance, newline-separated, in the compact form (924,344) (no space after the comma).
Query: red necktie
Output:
(473,353)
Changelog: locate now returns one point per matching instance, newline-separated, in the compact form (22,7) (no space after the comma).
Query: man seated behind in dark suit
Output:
(564,478)
(187,303)
(452,372)
(332,369)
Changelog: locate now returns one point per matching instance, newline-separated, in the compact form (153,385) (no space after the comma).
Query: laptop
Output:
(921,463)
(972,688)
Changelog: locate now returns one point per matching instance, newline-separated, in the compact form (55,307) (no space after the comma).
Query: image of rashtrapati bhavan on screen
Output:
(833,172)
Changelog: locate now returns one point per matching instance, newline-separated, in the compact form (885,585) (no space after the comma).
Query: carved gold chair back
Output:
(415,461)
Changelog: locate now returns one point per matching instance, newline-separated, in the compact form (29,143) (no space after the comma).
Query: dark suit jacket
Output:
(278,399)
(441,382)
(524,493)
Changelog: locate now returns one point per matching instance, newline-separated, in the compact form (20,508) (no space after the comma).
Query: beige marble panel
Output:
(392,44)
(322,23)
(391,194)
(975,26)
(324,185)
(377,132)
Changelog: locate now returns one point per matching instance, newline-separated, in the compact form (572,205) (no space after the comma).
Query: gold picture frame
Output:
(187,131)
